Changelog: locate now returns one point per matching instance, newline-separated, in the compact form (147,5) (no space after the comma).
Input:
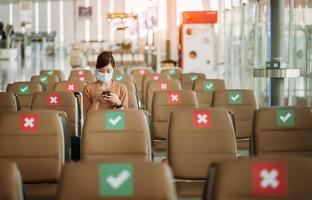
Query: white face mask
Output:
(104,77)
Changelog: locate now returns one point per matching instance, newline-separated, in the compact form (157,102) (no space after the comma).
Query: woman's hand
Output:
(113,98)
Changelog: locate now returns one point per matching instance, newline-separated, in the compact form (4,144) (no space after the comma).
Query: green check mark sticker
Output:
(172,71)
(43,79)
(115,120)
(23,89)
(50,72)
(208,86)
(235,97)
(193,77)
(116,180)
(285,118)
(119,78)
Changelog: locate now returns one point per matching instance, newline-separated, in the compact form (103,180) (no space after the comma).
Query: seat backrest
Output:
(260,178)
(135,180)
(69,86)
(138,74)
(35,141)
(11,184)
(173,72)
(110,135)
(9,102)
(159,85)
(80,72)
(188,79)
(47,80)
(122,77)
(282,131)
(204,90)
(198,137)
(89,78)
(132,101)
(150,77)
(64,101)
(166,102)
(131,86)
(243,104)
(59,73)
(24,91)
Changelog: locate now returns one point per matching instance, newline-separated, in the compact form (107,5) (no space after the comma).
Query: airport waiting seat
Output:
(173,72)
(59,73)
(131,86)
(159,85)
(282,131)
(11,184)
(163,104)
(197,138)
(149,77)
(138,74)
(47,80)
(80,72)
(260,178)
(132,101)
(204,90)
(243,104)
(69,86)
(9,102)
(188,79)
(24,92)
(34,140)
(137,180)
(64,101)
(116,135)
(88,78)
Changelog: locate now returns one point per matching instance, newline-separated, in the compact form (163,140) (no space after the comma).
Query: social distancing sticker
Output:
(285,117)
(53,99)
(115,120)
(71,87)
(29,122)
(202,119)
(174,98)
(235,97)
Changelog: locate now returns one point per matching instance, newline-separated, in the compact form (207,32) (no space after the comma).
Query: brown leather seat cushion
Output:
(8,102)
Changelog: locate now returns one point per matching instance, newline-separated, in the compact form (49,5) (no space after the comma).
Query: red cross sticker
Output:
(29,122)
(81,78)
(53,99)
(155,77)
(70,87)
(163,86)
(269,179)
(80,72)
(142,71)
(174,98)
(202,119)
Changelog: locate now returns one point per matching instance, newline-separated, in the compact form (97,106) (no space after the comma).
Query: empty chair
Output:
(11,184)
(188,79)
(69,86)
(64,101)
(243,104)
(34,140)
(150,77)
(173,72)
(116,136)
(197,138)
(9,102)
(159,85)
(132,101)
(47,80)
(204,90)
(163,104)
(135,180)
(59,73)
(260,178)
(80,72)
(282,131)
(89,78)
(138,74)
(24,92)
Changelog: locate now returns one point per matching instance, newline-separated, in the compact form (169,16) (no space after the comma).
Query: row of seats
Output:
(197,137)
(253,178)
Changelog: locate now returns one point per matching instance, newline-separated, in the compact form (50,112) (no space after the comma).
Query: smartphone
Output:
(107,92)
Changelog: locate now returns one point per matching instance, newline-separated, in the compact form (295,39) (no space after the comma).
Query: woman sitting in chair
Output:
(105,93)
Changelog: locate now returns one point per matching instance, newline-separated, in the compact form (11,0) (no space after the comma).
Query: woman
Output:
(105,93)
